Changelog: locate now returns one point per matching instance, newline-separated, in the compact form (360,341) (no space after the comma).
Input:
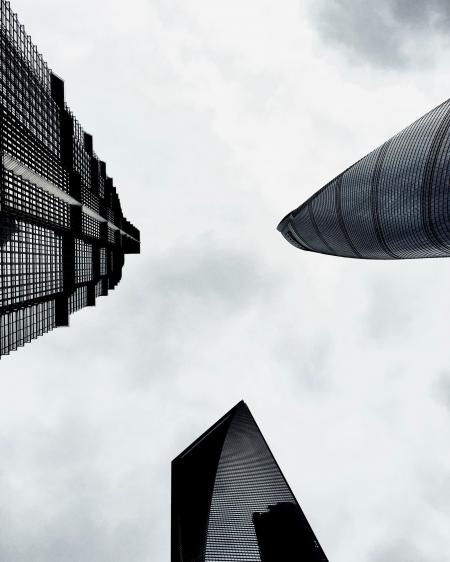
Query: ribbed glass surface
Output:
(246,510)
(392,204)
(247,482)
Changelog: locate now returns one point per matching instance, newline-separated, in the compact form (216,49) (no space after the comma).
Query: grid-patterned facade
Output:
(392,204)
(231,503)
(63,235)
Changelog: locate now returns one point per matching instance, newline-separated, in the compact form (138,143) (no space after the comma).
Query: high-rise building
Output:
(394,203)
(63,235)
(230,500)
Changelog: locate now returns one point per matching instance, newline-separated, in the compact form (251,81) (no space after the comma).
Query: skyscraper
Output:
(63,235)
(394,203)
(231,502)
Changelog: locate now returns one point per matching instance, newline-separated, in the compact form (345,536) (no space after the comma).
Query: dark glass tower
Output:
(63,235)
(230,501)
(392,204)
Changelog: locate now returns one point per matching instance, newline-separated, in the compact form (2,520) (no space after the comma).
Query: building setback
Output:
(63,235)
(231,502)
(392,204)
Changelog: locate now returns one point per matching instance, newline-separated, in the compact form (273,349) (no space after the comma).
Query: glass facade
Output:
(231,502)
(392,204)
(63,235)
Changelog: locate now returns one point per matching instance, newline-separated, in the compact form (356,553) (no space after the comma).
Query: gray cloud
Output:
(69,499)
(441,389)
(387,33)
(389,313)
(196,291)
(210,272)
(401,551)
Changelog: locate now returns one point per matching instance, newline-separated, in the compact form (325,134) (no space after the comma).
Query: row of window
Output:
(24,147)
(99,288)
(90,227)
(20,197)
(18,37)
(23,95)
(78,299)
(22,325)
(31,264)
(83,262)
(247,480)
(393,203)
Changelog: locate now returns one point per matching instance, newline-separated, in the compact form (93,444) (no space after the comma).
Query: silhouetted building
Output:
(281,532)
(394,203)
(230,500)
(63,235)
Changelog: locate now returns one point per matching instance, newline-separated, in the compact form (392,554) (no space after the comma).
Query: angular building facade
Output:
(392,204)
(231,502)
(63,235)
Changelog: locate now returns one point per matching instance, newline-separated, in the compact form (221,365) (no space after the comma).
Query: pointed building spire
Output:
(230,500)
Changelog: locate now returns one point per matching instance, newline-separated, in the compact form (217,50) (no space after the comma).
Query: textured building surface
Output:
(394,203)
(62,232)
(230,501)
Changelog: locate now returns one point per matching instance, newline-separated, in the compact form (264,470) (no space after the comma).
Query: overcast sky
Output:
(216,119)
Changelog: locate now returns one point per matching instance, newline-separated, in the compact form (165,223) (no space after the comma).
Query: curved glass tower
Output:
(231,502)
(392,204)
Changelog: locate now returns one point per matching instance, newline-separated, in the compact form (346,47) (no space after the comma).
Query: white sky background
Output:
(216,119)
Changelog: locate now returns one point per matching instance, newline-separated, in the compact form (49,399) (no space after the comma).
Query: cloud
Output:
(58,503)
(390,314)
(212,273)
(388,33)
(441,389)
(401,551)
